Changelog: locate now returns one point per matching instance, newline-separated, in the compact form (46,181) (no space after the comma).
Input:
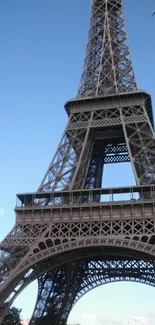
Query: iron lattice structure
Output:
(107,65)
(68,235)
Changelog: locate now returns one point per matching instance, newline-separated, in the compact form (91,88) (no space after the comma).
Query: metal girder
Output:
(116,159)
(140,139)
(130,230)
(67,235)
(63,287)
(107,65)
(105,271)
(57,294)
(88,144)
(113,226)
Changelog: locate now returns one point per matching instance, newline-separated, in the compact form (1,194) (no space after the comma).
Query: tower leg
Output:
(58,289)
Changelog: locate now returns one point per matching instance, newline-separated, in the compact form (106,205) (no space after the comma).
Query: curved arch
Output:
(114,267)
(143,278)
(73,250)
(113,281)
(47,266)
(76,244)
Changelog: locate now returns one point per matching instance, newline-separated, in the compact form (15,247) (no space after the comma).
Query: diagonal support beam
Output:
(107,66)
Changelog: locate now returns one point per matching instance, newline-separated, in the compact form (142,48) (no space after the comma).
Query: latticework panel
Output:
(101,136)
(58,237)
(140,140)
(112,270)
(57,291)
(107,65)
(53,244)
(63,287)
(61,169)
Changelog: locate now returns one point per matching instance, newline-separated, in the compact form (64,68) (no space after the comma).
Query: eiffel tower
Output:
(67,234)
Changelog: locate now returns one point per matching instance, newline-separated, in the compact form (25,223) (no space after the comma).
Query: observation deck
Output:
(129,202)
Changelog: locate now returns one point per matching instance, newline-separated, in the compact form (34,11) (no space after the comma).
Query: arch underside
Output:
(66,276)
(61,287)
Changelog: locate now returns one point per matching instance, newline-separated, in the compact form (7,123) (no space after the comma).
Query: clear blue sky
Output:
(42,50)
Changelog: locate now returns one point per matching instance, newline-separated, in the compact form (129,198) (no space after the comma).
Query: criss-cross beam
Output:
(57,291)
(107,65)
(60,289)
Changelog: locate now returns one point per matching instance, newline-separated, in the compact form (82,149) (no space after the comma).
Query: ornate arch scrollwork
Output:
(72,250)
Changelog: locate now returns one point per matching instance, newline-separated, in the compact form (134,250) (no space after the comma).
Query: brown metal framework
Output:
(72,234)
(107,65)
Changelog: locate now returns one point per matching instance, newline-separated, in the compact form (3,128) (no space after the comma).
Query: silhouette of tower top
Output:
(107,66)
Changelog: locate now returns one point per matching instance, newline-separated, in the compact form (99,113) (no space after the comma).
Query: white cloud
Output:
(88,316)
(139,320)
(2,211)
(94,319)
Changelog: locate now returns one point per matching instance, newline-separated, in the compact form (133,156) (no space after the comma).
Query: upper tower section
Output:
(107,66)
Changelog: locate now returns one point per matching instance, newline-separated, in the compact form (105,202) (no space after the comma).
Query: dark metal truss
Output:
(60,289)
(107,65)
